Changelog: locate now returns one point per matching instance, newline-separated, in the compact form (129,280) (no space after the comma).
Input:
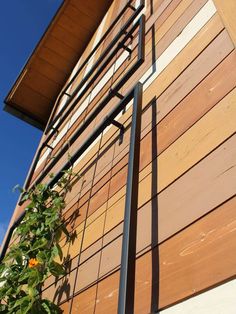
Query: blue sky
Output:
(22,23)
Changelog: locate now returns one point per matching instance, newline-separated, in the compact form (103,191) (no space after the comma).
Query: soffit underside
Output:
(34,93)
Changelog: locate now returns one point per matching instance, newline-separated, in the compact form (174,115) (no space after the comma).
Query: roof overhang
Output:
(34,93)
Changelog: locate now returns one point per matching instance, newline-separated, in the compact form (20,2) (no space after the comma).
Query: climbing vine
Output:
(36,252)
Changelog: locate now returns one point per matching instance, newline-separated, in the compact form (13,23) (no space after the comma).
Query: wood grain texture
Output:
(220,299)
(183,116)
(194,195)
(189,53)
(186,219)
(227,11)
(170,97)
(197,258)
(185,201)
(208,92)
(191,146)
(216,28)
(147,144)
(203,137)
(182,60)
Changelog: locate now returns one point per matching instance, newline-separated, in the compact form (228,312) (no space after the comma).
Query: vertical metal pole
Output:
(128,256)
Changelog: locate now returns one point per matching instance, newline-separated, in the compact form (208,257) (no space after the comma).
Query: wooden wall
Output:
(186,240)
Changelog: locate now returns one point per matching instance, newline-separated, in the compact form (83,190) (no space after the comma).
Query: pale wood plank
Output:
(227,11)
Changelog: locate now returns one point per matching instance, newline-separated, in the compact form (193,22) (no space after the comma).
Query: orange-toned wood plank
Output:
(189,110)
(189,53)
(182,200)
(61,290)
(209,31)
(226,69)
(175,15)
(191,98)
(214,26)
(174,20)
(216,126)
(83,303)
(195,259)
(198,102)
(191,146)
(187,200)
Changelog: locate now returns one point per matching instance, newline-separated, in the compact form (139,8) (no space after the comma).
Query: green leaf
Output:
(46,308)
(40,243)
(3,309)
(50,221)
(42,257)
(35,277)
(58,234)
(25,305)
(57,251)
(25,197)
(32,292)
(25,275)
(38,237)
(56,269)
(50,307)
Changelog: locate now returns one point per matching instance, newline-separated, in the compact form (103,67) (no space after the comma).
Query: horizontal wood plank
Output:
(199,257)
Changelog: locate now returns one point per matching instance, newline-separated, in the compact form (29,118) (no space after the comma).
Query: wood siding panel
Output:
(188,199)
(186,202)
(207,133)
(196,50)
(182,260)
(227,11)
(165,134)
(95,148)
(220,299)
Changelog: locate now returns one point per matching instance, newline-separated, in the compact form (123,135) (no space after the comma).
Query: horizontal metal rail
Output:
(96,70)
(107,51)
(140,25)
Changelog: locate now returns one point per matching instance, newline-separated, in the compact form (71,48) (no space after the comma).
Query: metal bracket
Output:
(132,7)
(126,48)
(62,115)
(48,146)
(122,130)
(56,130)
(116,93)
(130,35)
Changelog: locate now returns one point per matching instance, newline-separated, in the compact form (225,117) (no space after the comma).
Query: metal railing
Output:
(114,92)
(127,272)
(128,254)
(123,30)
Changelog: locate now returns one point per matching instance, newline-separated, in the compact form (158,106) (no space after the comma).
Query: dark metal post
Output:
(127,272)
